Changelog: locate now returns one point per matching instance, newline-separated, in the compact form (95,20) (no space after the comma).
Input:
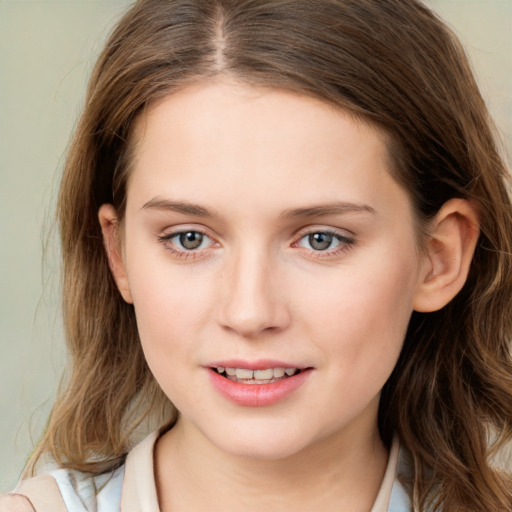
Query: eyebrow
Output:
(178,207)
(336,208)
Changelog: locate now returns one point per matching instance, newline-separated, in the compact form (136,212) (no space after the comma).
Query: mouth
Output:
(263,376)
(257,383)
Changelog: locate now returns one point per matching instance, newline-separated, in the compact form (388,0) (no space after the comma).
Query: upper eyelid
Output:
(172,231)
(342,232)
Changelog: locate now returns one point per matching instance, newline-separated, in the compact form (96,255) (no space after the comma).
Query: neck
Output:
(341,472)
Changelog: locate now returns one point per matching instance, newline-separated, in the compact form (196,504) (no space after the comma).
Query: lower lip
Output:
(257,395)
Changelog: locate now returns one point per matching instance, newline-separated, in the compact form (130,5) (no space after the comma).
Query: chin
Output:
(262,451)
(264,444)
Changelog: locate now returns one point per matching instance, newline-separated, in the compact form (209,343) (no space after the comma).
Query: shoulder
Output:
(41,492)
(66,490)
(69,490)
(15,503)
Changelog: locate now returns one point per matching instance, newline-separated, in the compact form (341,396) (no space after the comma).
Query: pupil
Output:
(191,240)
(320,241)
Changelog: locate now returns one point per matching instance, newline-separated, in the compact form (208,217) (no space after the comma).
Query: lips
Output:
(257,384)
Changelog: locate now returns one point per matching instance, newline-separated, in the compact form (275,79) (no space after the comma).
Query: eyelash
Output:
(345,243)
(184,254)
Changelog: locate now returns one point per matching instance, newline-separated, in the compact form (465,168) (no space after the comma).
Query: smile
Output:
(265,376)
(266,383)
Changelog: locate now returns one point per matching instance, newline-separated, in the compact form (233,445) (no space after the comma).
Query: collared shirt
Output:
(132,488)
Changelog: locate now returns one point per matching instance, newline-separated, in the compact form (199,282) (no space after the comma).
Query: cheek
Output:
(170,305)
(169,313)
(360,333)
(363,314)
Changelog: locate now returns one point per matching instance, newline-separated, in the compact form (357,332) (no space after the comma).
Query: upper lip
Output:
(259,364)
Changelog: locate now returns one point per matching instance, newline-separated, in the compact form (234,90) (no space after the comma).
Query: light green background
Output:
(47,49)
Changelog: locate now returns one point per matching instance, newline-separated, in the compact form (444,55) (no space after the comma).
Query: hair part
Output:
(394,65)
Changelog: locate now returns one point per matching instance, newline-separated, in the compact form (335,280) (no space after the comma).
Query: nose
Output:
(254,298)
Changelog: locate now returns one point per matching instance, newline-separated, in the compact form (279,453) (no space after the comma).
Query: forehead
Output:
(203,108)
(222,140)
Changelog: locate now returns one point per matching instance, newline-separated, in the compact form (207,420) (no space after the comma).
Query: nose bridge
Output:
(252,302)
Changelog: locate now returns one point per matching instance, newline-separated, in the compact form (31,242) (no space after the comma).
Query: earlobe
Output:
(109,228)
(448,254)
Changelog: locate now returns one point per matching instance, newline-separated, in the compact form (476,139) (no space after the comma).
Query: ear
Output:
(110,229)
(449,250)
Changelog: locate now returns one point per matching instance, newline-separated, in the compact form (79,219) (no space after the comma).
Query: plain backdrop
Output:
(47,50)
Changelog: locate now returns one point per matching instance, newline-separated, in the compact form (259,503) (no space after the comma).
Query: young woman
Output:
(288,219)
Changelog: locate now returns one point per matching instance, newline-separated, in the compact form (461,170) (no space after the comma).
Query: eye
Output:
(186,241)
(324,241)
(190,240)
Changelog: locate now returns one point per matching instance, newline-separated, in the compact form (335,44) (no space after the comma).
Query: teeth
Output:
(262,375)
(242,373)
(278,372)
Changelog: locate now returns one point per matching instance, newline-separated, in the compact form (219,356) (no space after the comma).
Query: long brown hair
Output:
(393,64)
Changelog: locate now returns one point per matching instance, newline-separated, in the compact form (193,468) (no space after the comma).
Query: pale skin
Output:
(253,173)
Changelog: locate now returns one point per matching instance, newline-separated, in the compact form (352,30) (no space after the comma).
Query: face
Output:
(264,236)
